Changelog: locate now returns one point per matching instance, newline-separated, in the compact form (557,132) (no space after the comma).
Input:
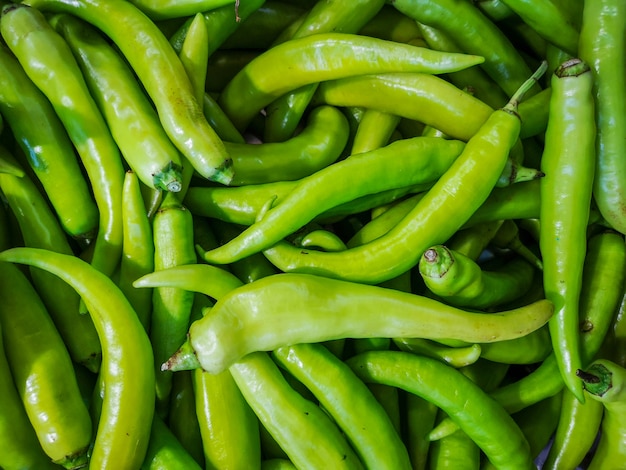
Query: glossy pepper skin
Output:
(407,162)
(162,74)
(444,209)
(43,372)
(133,122)
(127,373)
(498,436)
(459,280)
(473,31)
(50,64)
(605,381)
(40,134)
(259,316)
(19,447)
(568,162)
(41,229)
(321,57)
(285,113)
(356,410)
(602,43)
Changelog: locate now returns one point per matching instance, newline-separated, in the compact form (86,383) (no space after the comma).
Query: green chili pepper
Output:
(457,450)
(605,382)
(127,372)
(579,423)
(602,45)
(217,118)
(461,281)
(421,97)
(475,34)
(137,249)
(130,116)
(192,277)
(9,166)
(285,113)
(164,78)
(310,60)
(518,201)
(40,229)
(483,87)
(537,422)
(374,130)
(322,239)
(165,451)
(160,10)
(454,356)
(471,242)
(223,414)
(287,414)
(19,447)
(415,161)
(391,24)
(318,145)
(568,162)
(277,464)
(499,437)
(172,229)
(534,113)
(496,10)
(420,416)
(34,42)
(603,280)
(530,349)
(194,54)
(242,204)
(453,198)
(43,372)
(454,451)
(216,344)
(349,402)
(40,134)
(182,418)
(575,433)
(549,21)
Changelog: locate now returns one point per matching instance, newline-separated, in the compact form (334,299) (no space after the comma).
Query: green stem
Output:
(511,106)
(597,379)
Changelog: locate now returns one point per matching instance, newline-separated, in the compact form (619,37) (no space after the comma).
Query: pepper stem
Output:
(597,379)
(572,68)
(436,262)
(511,106)
(183,359)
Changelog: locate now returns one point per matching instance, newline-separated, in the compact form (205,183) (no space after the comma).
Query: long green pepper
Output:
(444,209)
(162,74)
(127,373)
(414,161)
(602,42)
(568,162)
(133,122)
(43,372)
(48,61)
(41,229)
(172,229)
(285,113)
(325,56)
(47,147)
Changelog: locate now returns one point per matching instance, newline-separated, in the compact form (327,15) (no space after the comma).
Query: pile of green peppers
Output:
(312,234)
